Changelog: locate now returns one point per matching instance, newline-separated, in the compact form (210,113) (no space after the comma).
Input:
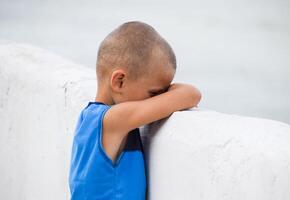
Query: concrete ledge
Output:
(203,154)
(193,154)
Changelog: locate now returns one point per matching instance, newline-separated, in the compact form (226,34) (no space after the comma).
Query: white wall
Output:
(41,96)
(193,154)
(206,155)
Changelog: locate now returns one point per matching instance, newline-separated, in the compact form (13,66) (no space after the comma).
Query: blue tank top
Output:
(93,175)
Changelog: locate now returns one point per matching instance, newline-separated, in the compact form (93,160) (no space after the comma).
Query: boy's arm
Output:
(126,116)
(129,115)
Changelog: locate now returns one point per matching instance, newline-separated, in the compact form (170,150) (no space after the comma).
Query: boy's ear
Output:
(117,79)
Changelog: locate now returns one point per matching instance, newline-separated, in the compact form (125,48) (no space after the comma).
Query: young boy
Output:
(135,67)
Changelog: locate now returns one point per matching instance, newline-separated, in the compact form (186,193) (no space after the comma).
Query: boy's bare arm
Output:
(129,115)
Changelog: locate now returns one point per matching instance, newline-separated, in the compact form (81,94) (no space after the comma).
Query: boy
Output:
(135,67)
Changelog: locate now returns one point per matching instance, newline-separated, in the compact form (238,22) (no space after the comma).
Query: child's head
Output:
(132,61)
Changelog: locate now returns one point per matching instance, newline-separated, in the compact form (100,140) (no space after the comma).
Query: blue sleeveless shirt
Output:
(93,175)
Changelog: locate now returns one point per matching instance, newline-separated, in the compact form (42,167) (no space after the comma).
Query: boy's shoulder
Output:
(96,104)
(92,114)
(94,107)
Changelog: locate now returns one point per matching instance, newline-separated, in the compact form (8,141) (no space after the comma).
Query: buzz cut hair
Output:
(131,46)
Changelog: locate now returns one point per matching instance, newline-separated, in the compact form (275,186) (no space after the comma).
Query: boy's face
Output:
(158,82)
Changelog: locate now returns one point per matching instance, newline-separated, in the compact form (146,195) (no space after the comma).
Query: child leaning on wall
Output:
(135,67)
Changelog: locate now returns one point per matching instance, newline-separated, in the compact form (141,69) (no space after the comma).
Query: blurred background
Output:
(236,52)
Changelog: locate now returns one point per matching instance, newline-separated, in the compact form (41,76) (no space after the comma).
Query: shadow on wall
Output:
(192,154)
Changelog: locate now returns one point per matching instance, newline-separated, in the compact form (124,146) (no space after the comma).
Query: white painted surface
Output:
(206,155)
(194,154)
(41,96)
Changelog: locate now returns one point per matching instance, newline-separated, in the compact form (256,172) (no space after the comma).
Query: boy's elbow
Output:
(196,97)
(199,98)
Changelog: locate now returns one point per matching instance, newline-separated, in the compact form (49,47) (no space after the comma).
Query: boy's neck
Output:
(104,97)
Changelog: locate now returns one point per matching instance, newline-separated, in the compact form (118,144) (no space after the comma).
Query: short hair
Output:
(131,45)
